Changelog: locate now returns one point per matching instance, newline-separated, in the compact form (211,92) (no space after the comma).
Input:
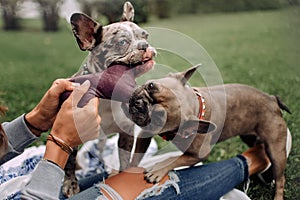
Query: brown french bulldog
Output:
(120,43)
(170,108)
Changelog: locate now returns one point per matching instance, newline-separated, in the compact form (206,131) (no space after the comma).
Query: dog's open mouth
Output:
(143,66)
(139,68)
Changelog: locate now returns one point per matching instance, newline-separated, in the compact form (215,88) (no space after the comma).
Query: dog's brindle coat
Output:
(168,106)
(124,43)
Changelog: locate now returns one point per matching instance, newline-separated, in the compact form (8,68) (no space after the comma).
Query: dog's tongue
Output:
(116,83)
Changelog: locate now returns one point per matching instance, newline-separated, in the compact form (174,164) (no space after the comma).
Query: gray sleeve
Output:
(45,183)
(19,137)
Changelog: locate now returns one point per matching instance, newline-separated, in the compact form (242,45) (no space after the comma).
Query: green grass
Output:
(30,61)
(260,49)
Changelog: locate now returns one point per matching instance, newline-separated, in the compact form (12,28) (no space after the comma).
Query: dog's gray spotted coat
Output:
(123,43)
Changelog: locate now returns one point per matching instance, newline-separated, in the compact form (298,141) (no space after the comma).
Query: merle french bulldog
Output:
(120,43)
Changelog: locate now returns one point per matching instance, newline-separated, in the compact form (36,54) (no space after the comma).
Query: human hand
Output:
(76,125)
(43,115)
(73,125)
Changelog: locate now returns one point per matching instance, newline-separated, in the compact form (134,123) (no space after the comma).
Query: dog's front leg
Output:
(142,144)
(125,144)
(70,185)
(156,172)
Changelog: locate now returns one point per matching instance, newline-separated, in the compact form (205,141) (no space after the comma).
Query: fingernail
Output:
(75,84)
(86,83)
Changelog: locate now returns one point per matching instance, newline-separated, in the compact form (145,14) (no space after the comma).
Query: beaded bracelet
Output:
(31,126)
(59,142)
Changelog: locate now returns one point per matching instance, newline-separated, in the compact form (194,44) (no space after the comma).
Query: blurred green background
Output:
(252,43)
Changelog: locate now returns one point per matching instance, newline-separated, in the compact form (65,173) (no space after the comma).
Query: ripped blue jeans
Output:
(209,181)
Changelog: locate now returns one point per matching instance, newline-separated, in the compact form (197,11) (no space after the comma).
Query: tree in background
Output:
(87,7)
(112,9)
(162,8)
(9,14)
(206,6)
(50,14)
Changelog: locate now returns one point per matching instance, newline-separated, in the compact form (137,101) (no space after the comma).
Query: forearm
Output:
(19,136)
(55,154)
(45,183)
(48,174)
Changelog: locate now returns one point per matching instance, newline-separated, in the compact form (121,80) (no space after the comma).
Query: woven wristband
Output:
(31,126)
(59,142)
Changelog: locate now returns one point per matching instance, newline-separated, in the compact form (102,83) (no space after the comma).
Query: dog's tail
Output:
(282,105)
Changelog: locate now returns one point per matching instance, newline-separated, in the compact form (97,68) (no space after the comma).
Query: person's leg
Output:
(208,181)
(89,181)
(88,194)
(257,159)
(211,181)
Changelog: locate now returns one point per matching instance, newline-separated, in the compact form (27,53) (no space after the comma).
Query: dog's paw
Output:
(70,187)
(155,176)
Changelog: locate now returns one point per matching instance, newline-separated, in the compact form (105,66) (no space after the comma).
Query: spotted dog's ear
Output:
(128,12)
(87,32)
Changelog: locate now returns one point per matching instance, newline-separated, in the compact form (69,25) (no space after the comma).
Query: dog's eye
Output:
(150,86)
(145,34)
(122,42)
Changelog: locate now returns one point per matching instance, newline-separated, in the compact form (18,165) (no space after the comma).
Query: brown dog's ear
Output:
(186,75)
(87,32)
(128,12)
(199,126)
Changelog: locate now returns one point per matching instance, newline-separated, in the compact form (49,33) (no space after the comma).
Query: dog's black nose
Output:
(134,101)
(139,103)
(142,45)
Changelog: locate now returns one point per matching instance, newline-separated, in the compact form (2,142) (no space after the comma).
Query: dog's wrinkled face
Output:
(118,43)
(123,43)
(161,105)
(149,106)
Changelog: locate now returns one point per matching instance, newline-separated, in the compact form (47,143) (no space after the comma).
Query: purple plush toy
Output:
(116,82)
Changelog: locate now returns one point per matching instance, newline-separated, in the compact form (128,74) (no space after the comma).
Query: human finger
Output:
(61,85)
(93,104)
(78,92)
